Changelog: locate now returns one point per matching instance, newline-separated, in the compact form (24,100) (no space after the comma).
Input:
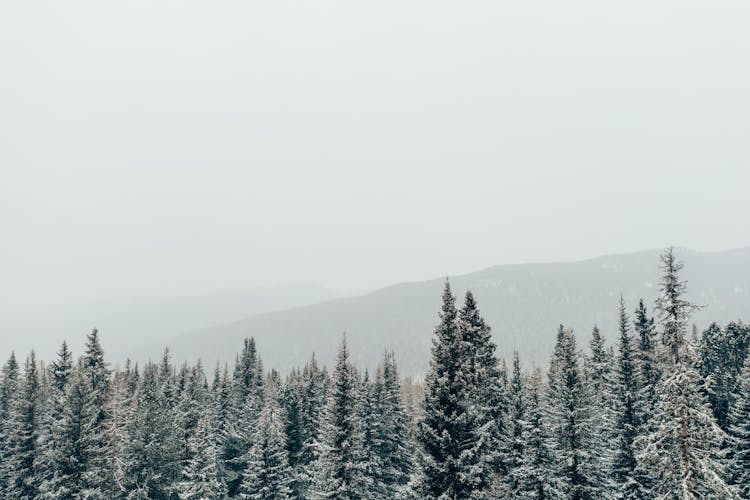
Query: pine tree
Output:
(628,407)
(739,430)
(24,431)
(449,432)
(152,455)
(722,354)
(268,474)
(245,403)
(342,462)
(200,476)
(392,441)
(312,401)
(119,410)
(487,382)
(516,426)
(534,476)
(60,371)
(648,361)
(573,432)
(97,374)
(8,387)
(681,456)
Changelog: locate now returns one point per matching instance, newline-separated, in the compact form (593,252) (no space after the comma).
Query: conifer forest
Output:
(662,412)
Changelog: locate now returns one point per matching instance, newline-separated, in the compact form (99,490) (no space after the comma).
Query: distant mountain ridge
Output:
(523,303)
(131,323)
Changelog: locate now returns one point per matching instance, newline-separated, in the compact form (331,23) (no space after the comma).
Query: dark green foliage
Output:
(722,354)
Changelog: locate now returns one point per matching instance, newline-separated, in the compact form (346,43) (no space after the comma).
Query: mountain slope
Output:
(523,304)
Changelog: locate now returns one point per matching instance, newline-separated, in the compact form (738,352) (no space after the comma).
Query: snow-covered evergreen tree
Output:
(487,383)
(268,475)
(516,425)
(152,454)
(682,454)
(200,473)
(342,469)
(628,416)
(60,372)
(534,477)
(392,445)
(739,430)
(97,374)
(722,354)
(573,425)
(245,403)
(23,481)
(8,386)
(452,432)
(647,355)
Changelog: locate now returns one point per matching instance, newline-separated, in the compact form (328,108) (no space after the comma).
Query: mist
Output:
(176,148)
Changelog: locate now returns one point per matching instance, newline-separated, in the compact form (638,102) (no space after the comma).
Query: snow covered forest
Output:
(662,413)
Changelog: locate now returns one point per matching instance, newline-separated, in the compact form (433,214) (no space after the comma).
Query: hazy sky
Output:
(160,147)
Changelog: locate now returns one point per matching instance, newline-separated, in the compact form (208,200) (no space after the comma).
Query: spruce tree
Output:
(152,454)
(534,476)
(647,355)
(722,354)
(200,474)
(628,412)
(24,431)
(393,440)
(573,431)
(452,437)
(312,400)
(739,430)
(97,374)
(516,425)
(342,473)
(8,387)
(245,402)
(487,383)
(682,454)
(268,474)
(60,371)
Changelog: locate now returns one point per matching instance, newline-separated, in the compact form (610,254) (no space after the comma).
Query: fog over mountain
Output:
(523,304)
(133,322)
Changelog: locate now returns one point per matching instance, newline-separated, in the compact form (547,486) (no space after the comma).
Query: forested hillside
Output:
(524,303)
(663,411)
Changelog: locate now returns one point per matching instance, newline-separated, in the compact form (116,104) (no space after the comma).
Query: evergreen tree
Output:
(449,432)
(487,382)
(8,386)
(119,410)
(200,476)
(648,361)
(343,461)
(152,455)
(24,431)
(60,371)
(268,474)
(534,477)
(516,426)
(392,441)
(312,400)
(682,454)
(739,430)
(628,407)
(97,374)
(245,403)
(573,431)
(722,354)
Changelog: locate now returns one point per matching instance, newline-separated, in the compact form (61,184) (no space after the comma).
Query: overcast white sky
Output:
(164,147)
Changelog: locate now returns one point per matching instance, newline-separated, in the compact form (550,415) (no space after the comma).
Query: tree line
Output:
(663,413)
